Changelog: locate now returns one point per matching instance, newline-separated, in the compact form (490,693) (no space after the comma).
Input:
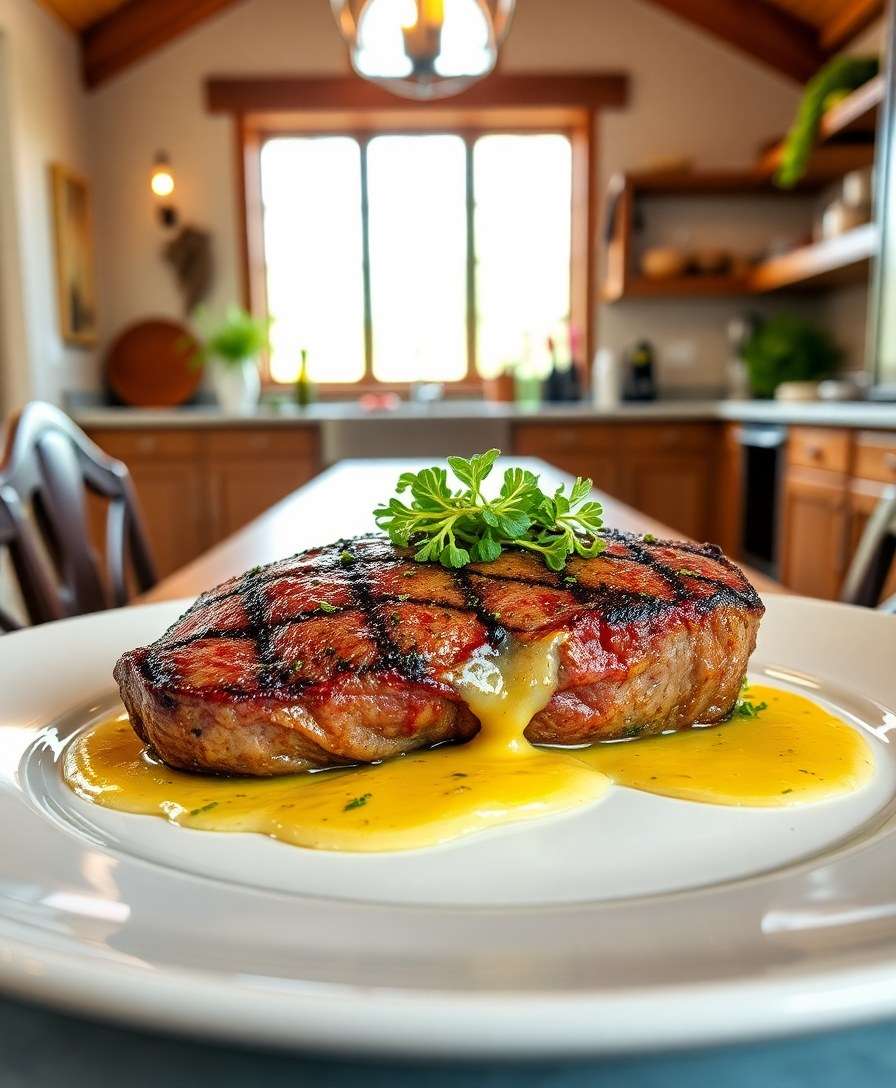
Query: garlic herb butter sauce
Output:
(795,751)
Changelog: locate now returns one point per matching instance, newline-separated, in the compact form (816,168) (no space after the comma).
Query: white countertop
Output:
(852,414)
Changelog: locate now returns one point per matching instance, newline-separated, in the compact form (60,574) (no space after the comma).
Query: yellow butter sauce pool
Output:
(793,752)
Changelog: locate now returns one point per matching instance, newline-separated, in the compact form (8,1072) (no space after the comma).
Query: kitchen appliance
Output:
(881,357)
(761,446)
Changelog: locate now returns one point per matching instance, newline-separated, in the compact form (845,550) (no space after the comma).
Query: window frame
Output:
(253,130)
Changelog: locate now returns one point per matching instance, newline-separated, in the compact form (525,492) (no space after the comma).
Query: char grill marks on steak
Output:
(344,653)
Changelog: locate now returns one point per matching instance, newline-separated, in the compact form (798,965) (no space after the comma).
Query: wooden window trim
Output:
(263,109)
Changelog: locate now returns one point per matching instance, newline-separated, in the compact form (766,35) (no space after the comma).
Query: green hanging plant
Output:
(831,83)
(233,340)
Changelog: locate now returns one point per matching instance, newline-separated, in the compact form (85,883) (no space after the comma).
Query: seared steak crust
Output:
(342,654)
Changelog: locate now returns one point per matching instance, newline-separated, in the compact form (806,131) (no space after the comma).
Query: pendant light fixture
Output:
(423,48)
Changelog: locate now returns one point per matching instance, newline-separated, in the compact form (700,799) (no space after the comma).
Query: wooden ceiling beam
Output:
(756,27)
(585,90)
(852,19)
(137,29)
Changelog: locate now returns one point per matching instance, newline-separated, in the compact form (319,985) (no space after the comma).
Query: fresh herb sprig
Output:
(745,707)
(457,526)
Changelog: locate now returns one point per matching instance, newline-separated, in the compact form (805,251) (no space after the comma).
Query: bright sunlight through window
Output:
(370,267)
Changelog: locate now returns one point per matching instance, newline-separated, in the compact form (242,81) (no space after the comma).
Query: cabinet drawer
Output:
(539,439)
(876,456)
(818,447)
(136,444)
(666,437)
(262,441)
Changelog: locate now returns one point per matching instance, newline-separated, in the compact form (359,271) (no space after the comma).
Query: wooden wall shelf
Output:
(846,142)
(694,286)
(835,261)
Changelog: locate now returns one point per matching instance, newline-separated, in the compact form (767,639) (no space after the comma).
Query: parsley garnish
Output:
(325,606)
(649,538)
(746,708)
(205,808)
(687,572)
(457,527)
(357,802)
(346,558)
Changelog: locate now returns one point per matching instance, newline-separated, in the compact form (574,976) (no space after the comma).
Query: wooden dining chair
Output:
(48,469)
(873,560)
(39,597)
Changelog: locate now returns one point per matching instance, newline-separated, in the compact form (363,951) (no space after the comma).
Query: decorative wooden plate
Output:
(150,365)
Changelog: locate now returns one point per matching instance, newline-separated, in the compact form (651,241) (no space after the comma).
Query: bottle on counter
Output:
(304,391)
(606,378)
(564,382)
(640,383)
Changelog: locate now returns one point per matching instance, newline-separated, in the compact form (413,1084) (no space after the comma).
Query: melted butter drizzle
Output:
(794,752)
(412,801)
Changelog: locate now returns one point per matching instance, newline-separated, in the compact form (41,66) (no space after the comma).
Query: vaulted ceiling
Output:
(793,37)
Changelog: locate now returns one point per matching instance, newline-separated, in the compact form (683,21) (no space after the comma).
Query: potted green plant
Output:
(232,346)
(788,349)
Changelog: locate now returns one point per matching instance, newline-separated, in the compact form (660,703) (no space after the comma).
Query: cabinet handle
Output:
(815,452)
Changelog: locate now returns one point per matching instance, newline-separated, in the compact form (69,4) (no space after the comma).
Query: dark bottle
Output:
(563,383)
(639,379)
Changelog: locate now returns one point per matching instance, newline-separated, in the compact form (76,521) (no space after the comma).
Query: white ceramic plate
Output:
(639,923)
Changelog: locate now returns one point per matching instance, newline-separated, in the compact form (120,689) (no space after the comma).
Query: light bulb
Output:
(162,182)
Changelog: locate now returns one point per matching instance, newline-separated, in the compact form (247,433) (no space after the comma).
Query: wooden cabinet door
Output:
(251,468)
(168,474)
(589,450)
(242,490)
(172,498)
(814,532)
(672,489)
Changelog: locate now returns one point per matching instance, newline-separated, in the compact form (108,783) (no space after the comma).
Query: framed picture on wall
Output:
(73,232)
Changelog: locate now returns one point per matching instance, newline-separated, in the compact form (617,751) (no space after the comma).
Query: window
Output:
(416,256)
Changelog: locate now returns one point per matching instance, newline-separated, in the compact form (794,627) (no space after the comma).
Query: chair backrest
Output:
(48,468)
(17,537)
(870,567)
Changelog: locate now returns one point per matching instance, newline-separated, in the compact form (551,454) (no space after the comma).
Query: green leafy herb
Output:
(296,665)
(687,572)
(649,538)
(745,707)
(204,808)
(457,526)
(346,558)
(357,802)
(325,606)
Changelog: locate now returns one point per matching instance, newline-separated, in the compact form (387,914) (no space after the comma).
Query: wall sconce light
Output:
(161,182)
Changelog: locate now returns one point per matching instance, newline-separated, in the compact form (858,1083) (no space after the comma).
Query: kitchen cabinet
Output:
(814,544)
(664,470)
(249,471)
(583,449)
(198,485)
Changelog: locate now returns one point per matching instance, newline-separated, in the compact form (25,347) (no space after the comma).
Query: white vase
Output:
(237,386)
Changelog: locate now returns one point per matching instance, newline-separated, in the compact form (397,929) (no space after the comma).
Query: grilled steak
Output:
(341,654)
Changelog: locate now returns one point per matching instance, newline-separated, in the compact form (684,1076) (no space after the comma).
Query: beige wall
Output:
(690,95)
(42,120)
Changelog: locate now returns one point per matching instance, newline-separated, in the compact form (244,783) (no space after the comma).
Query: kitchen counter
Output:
(851,414)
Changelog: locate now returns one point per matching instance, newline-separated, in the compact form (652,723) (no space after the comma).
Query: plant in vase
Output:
(787,349)
(232,346)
